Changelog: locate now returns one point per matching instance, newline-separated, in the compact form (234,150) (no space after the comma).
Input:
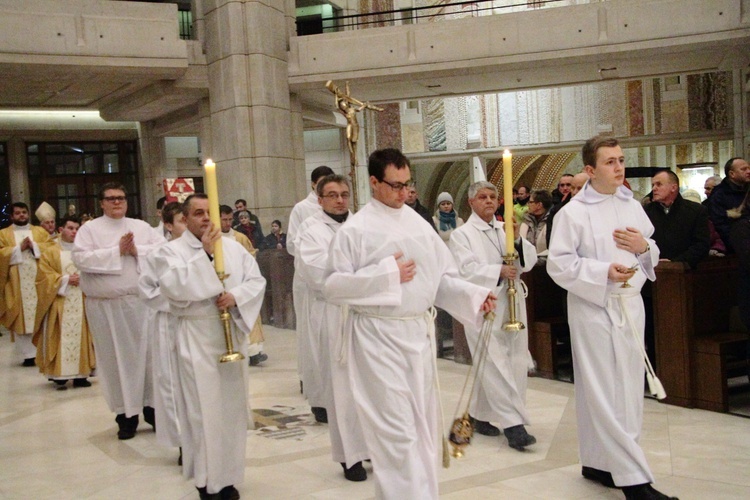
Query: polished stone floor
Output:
(62,445)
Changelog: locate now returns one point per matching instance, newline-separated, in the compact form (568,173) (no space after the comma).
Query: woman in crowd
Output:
(277,238)
(446,219)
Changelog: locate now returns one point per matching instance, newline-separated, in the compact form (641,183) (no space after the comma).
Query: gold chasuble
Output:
(61,333)
(17,282)
(256,335)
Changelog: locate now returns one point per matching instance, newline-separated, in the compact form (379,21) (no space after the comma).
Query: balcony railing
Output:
(442,10)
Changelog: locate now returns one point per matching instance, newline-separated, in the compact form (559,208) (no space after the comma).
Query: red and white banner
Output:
(178,189)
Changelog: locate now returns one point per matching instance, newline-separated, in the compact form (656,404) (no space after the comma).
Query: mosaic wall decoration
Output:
(656,82)
(388,126)
(434,124)
(376,6)
(455,123)
(635,107)
(709,97)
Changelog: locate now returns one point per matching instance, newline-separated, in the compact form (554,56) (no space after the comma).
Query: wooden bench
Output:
(691,318)
(277,266)
(547,322)
(714,358)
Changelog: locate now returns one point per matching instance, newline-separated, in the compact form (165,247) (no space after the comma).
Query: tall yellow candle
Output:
(508,200)
(212,190)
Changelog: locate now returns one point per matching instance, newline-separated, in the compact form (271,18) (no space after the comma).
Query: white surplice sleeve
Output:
(470,267)
(462,299)
(186,278)
(249,290)
(376,284)
(89,259)
(148,285)
(581,276)
(650,259)
(312,252)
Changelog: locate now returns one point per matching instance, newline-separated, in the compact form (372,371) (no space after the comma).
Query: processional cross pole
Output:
(349,107)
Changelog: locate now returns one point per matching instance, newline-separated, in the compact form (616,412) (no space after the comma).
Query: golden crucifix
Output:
(349,107)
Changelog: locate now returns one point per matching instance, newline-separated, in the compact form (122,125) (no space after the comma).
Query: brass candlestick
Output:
(226,322)
(512,325)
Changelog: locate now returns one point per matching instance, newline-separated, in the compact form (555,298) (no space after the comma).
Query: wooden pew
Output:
(547,320)
(692,331)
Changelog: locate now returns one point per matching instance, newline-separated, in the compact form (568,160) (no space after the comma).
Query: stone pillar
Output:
(252,139)
(18,170)
(151,170)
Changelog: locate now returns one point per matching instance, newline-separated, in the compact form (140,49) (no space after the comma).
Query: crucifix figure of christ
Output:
(349,107)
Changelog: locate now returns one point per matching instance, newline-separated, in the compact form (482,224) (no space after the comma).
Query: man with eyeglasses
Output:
(107,252)
(325,379)
(391,269)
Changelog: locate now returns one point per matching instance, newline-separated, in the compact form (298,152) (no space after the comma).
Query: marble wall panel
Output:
(455,123)
(226,25)
(388,122)
(490,122)
(709,97)
(635,107)
(656,82)
(434,124)
(507,107)
(412,135)
(271,128)
(682,154)
(674,116)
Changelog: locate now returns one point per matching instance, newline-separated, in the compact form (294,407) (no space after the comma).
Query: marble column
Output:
(151,171)
(253,139)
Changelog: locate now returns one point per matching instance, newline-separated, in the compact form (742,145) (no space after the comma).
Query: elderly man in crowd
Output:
(534,224)
(478,247)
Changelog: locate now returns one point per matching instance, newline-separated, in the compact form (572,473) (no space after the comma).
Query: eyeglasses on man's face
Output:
(398,186)
(336,196)
(114,199)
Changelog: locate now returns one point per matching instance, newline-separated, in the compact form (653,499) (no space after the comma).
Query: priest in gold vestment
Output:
(21,245)
(65,350)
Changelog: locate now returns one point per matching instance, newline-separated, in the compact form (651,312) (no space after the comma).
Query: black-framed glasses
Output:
(114,198)
(398,186)
(336,196)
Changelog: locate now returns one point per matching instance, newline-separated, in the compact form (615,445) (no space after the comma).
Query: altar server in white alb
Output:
(163,325)
(391,268)
(479,248)
(305,208)
(306,365)
(214,425)
(601,240)
(108,252)
(316,232)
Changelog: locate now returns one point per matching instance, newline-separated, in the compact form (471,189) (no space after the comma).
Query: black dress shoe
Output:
(61,385)
(257,359)
(179,459)
(229,493)
(205,495)
(355,473)
(149,416)
(128,426)
(644,492)
(29,362)
(321,415)
(518,438)
(601,476)
(81,382)
(484,428)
